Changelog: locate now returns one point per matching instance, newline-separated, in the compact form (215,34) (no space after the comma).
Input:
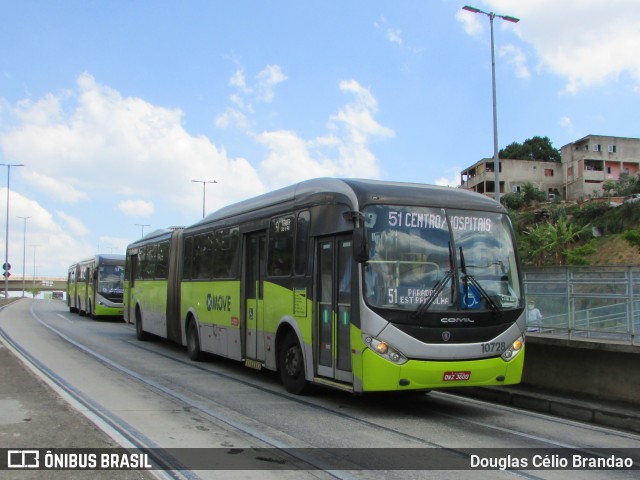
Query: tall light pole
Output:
(6,253)
(34,269)
(496,159)
(142,225)
(24,250)
(204,188)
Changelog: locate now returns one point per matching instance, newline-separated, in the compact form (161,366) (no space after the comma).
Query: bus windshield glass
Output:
(111,281)
(434,259)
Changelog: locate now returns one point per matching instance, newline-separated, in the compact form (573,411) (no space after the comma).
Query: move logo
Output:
(220,303)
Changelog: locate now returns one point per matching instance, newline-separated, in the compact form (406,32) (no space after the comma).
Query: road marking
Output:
(67,319)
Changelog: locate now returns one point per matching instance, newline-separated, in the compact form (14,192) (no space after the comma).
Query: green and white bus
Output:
(359,285)
(95,286)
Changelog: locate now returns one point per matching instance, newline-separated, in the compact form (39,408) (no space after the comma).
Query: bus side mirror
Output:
(360,245)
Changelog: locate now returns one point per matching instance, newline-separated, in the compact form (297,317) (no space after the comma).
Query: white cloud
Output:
(517,59)
(120,146)
(51,243)
(565,122)
(452,181)
(73,224)
(136,208)
(470,22)
(62,189)
(262,91)
(345,152)
(393,35)
(238,80)
(232,117)
(586,42)
(267,79)
(290,159)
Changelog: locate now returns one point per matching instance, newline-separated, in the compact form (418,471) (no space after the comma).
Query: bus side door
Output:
(333,314)
(253,295)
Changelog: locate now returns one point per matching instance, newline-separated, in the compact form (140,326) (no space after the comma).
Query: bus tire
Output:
(193,342)
(291,365)
(140,333)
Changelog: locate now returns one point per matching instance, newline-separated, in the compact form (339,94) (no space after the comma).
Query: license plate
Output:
(456,376)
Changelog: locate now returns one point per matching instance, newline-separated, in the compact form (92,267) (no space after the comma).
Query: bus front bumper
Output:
(379,374)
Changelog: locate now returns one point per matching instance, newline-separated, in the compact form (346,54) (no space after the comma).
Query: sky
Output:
(114,107)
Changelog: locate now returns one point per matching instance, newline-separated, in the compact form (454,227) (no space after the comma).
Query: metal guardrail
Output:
(586,302)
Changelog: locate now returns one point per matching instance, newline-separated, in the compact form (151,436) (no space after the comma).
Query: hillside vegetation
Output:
(595,232)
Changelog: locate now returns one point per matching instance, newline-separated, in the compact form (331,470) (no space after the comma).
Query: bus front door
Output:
(254,272)
(333,318)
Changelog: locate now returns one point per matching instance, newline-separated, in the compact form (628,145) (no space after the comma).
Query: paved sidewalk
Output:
(33,415)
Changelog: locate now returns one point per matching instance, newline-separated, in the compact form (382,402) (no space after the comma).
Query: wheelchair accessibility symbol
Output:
(470,297)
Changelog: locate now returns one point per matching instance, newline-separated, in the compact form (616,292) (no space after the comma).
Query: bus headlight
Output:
(513,350)
(385,350)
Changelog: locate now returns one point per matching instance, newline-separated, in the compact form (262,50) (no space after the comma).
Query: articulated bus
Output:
(95,286)
(358,285)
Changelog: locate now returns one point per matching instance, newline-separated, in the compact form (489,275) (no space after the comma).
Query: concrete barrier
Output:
(597,369)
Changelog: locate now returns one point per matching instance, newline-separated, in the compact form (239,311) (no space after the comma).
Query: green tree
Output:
(625,185)
(512,200)
(550,243)
(536,148)
(531,193)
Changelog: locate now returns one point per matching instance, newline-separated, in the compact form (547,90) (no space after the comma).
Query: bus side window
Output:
(150,270)
(225,249)
(203,256)
(162,262)
(280,246)
(142,263)
(302,243)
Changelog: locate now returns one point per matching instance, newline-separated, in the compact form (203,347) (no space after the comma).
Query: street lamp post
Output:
(34,269)
(24,250)
(204,185)
(142,225)
(6,253)
(496,159)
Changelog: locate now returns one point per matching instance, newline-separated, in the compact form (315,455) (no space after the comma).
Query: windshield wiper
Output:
(467,278)
(438,287)
(434,294)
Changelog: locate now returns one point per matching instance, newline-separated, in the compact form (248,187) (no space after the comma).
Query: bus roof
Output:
(101,258)
(357,193)
(156,235)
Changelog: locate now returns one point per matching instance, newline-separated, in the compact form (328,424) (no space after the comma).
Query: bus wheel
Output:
(140,333)
(291,365)
(193,342)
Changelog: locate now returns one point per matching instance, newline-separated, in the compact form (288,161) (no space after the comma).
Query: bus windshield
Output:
(434,259)
(111,281)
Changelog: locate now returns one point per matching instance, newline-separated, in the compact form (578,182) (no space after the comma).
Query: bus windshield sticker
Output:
(415,296)
(300,302)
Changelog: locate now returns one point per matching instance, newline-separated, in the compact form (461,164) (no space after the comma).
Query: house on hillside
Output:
(480,177)
(585,165)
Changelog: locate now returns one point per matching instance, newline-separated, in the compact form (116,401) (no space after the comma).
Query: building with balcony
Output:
(480,177)
(589,162)
(585,165)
